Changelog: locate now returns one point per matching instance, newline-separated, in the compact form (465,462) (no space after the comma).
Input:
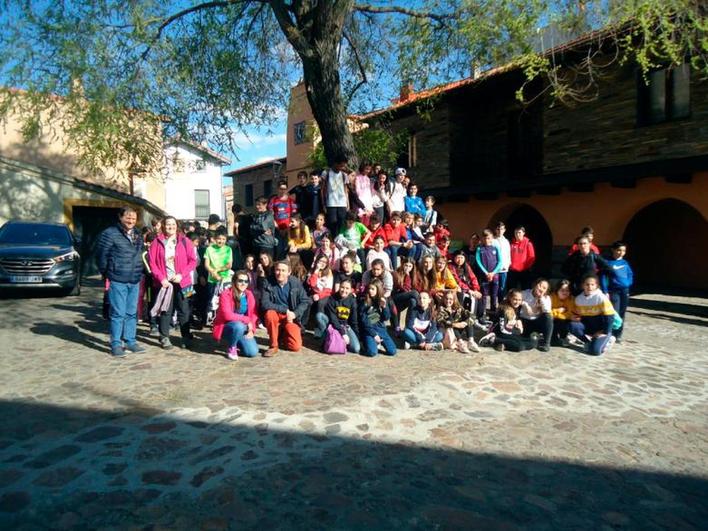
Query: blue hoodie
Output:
(623,277)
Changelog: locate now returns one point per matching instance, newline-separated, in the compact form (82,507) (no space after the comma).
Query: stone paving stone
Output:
(189,440)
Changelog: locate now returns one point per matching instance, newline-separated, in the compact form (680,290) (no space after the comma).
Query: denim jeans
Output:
(414,339)
(321,329)
(123,299)
(235,336)
(620,299)
(371,347)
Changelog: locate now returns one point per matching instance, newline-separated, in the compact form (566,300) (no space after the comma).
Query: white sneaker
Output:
(406,345)
(573,341)
(488,340)
(609,344)
(474,347)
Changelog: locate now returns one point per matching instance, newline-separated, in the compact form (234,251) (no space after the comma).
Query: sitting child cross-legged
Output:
(455,324)
(421,329)
(373,314)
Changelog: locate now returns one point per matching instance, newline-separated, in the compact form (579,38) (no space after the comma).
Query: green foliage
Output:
(375,145)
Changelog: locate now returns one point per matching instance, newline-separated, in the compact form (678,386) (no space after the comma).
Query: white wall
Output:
(183,179)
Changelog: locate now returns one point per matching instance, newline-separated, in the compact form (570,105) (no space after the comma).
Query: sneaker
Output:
(232,353)
(574,341)
(533,338)
(472,345)
(165,343)
(488,340)
(436,346)
(271,352)
(406,345)
(499,347)
(462,346)
(134,347)
(118,352)
(154,332)
(544,348)
(187,343)
(611,342)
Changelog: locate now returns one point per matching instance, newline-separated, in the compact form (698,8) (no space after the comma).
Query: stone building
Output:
(256,180)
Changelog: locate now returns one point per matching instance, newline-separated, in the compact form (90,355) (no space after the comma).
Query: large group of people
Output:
(365,263)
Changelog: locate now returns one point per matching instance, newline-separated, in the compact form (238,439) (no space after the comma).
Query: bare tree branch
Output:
(294,36)
(362,71)
(438,17)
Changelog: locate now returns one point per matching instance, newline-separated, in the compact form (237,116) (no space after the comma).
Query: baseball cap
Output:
(400,171)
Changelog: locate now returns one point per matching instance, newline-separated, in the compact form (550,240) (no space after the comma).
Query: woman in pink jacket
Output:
(236,318)
(172,260)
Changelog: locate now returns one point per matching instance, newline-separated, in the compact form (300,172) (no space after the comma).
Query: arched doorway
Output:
(537,230)
(666,245)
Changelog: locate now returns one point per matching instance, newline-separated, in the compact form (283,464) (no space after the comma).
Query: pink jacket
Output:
(226,313)
(185,260)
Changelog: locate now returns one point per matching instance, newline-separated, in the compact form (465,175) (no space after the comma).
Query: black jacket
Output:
(577,265)
(298,301)
(342,313)
(119,256)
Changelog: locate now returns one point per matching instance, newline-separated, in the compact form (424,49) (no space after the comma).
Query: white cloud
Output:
(257,139)
(264,159)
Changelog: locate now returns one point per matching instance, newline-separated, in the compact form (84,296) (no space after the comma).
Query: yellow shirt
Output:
(562,310)
(303,242)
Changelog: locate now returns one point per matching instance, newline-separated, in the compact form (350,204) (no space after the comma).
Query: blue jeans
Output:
(620,299)
(123,298)
(414,339)
(595,345)
(321,329)
(235,336)
(502,285)
(371,347)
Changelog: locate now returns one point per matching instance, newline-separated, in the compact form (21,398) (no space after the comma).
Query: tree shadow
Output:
(135,469)
(670,307)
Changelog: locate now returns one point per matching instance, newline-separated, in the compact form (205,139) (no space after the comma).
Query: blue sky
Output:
(258,145)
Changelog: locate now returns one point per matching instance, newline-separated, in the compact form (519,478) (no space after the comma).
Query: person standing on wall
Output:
(119,259)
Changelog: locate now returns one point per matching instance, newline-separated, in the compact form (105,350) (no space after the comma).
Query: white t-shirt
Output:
(536,309)
(504,252)
(336,189)
(383,255)
(398,198)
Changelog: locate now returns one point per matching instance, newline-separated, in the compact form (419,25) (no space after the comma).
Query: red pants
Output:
(277,326)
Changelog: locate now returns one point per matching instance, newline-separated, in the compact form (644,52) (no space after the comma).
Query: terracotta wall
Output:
(608,210)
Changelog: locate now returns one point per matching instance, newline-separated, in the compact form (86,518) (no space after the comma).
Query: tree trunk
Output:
(315,30)
(323,88)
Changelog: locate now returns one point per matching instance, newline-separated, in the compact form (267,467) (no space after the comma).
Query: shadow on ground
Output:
(123,470)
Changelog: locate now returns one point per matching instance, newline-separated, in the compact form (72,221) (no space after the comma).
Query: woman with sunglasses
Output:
(236,318)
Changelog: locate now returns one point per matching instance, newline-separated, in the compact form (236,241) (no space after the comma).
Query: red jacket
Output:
(523,255)
(226,313)
(185,260)
(320,286)
(593,248)
(395,235)
(472,285)
(381,231)
(283,210)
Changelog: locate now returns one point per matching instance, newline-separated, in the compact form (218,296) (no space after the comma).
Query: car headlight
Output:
(68,257)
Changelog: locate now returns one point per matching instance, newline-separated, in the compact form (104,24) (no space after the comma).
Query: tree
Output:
(209,69)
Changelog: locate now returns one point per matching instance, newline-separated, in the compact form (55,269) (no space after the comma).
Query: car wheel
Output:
(76,290)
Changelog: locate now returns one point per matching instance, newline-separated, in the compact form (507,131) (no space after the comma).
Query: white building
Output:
(193,181)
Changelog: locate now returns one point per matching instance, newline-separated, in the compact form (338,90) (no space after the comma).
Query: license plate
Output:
(25,280)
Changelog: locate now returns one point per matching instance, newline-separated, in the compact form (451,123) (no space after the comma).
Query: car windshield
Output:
(34,234)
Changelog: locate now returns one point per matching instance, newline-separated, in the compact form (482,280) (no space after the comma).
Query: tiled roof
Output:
(263,164)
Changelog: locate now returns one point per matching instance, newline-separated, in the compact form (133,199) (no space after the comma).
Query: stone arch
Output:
(537,230)
(666,246)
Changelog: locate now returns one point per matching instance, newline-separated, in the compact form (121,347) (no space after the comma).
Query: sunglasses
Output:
(241,281)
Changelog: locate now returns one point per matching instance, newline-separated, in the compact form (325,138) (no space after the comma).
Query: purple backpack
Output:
(334,342)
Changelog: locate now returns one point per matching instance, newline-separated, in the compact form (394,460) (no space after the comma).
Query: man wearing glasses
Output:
(286,307)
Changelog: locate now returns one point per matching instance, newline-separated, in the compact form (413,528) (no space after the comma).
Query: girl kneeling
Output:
(236,318)
(596,317)
(373,314)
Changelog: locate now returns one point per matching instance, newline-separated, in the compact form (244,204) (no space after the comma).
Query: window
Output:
(666,97)
(299,130)
(201,204)
(412,150)
(268,188)
(200,165)
(249,195)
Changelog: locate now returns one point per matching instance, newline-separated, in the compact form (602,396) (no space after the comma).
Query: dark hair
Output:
(588,277)
(262,200)
(520,227)
(563,283)
(587,230)
(378,262)
(150,236)
(618,244)
(363,165)
(351,216)
(155,221)
(501,224)
(379,237)
(395,214)
(214,218)
(302,174)
(191,236)
(237,300)
(221,231)
(428,235)
(236,208)
(430,197)
(122,211)
(379,292)
(374,218)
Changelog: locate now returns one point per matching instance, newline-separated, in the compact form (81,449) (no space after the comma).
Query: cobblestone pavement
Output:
(189,440)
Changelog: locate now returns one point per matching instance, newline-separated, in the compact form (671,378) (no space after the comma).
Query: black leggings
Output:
(181,304)
(513,343)
(543,324)
(401,301)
